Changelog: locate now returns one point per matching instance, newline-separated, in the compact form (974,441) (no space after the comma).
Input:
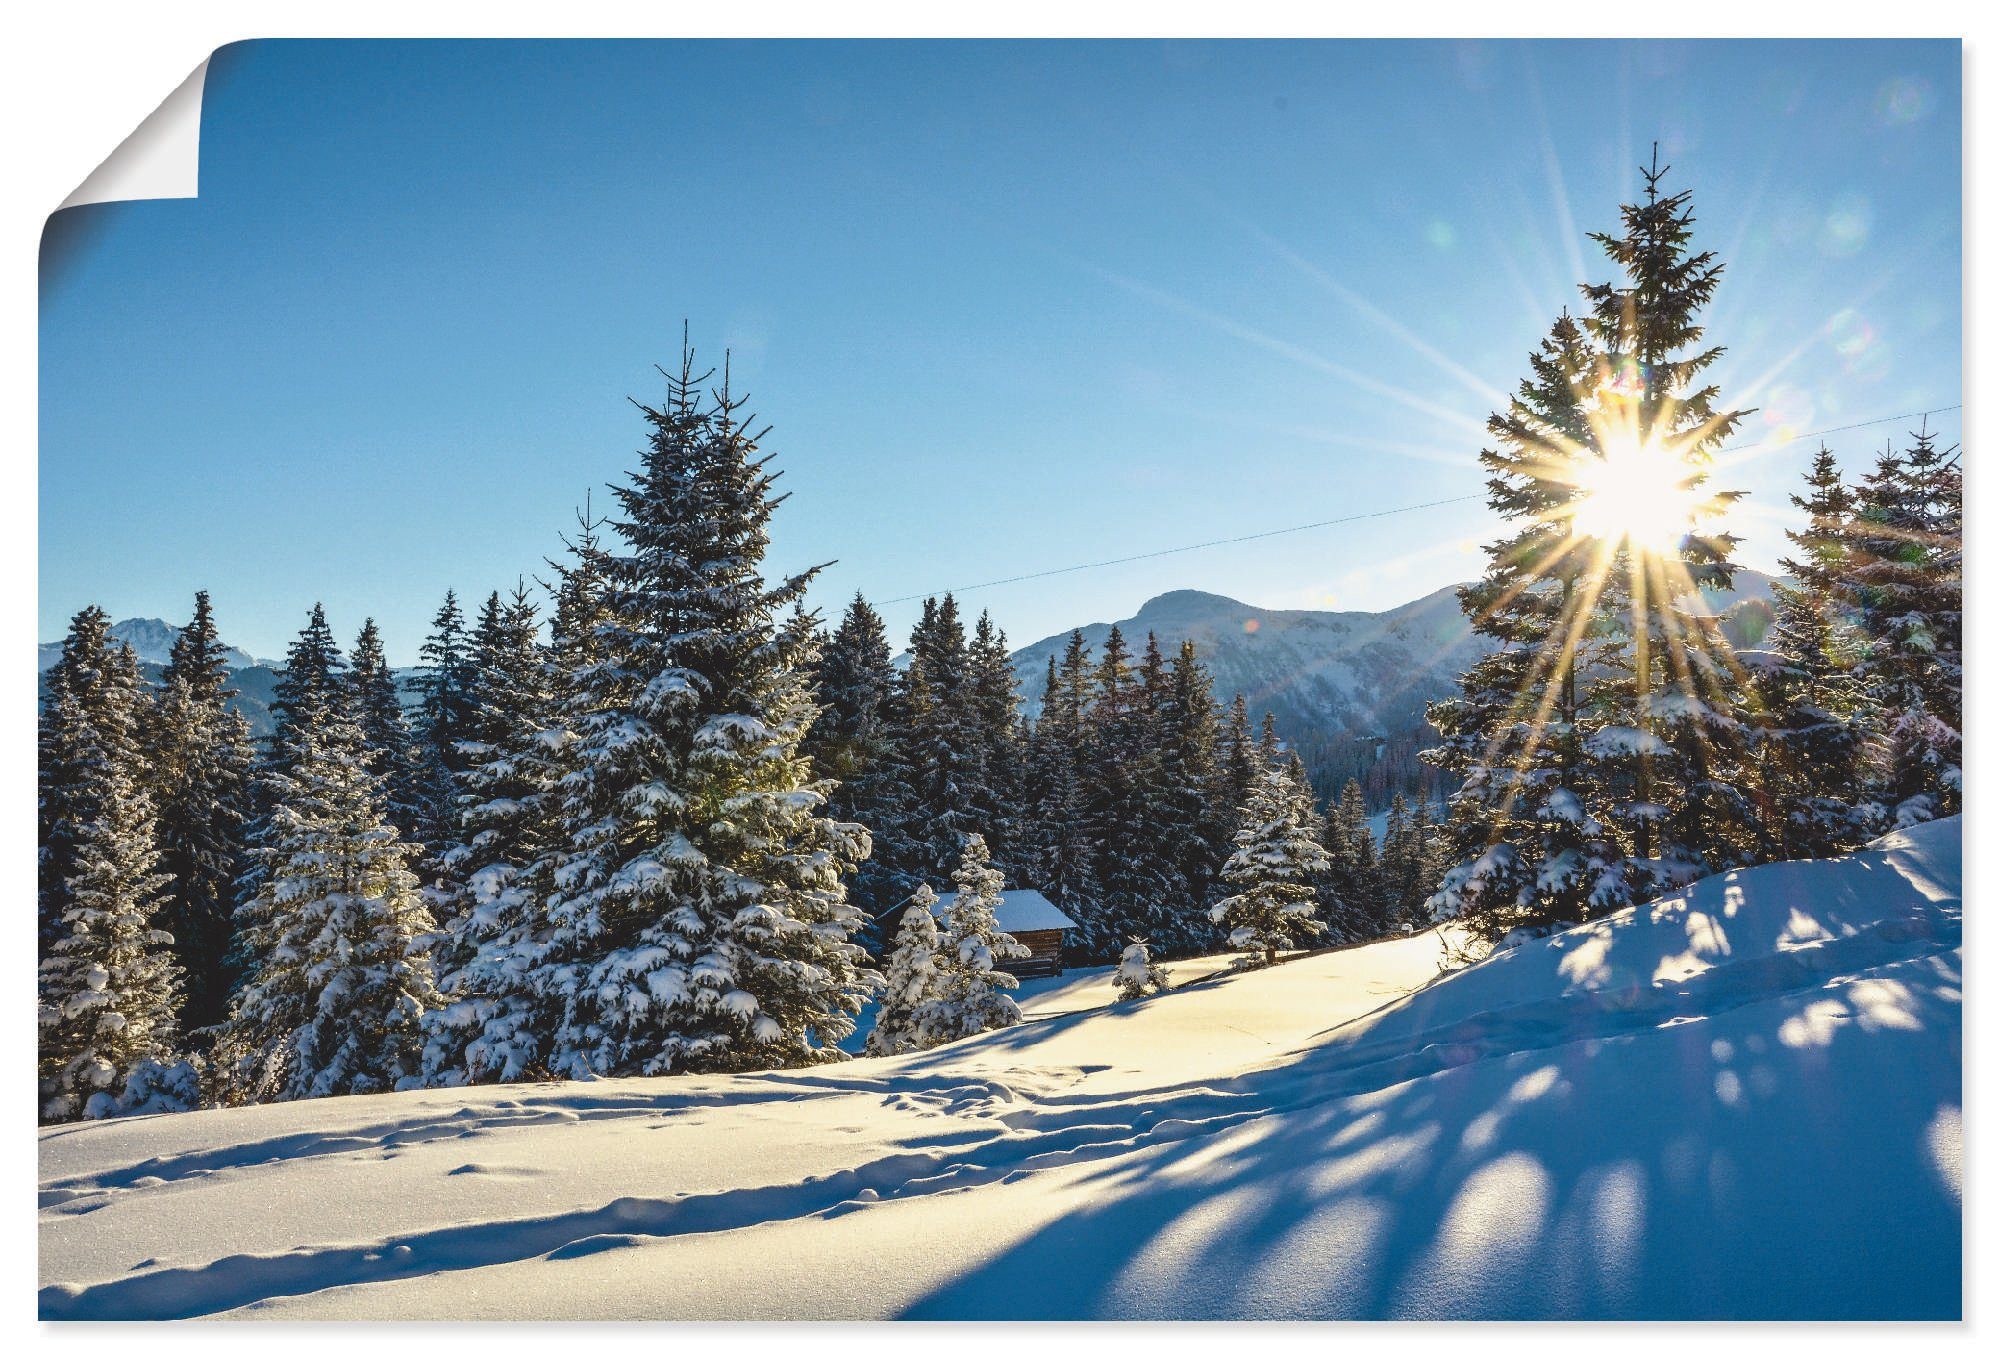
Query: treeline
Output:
(655,830)
(1615,745)
(1120,803)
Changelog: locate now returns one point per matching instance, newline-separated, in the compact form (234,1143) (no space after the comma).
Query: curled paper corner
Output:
(162,157)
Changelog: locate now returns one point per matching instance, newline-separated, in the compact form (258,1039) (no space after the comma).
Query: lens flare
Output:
(1637,493)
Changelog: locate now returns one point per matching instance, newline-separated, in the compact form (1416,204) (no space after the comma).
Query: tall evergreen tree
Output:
(1905,586)
(1272,905)
(108,986)
(337,987)
(1123,810)
(385,731)
(1064,865)
(444,711)
(1602,747)
(852,745)
(201,763)
(994,700)
(86,719)
(700,918)
(1681,684)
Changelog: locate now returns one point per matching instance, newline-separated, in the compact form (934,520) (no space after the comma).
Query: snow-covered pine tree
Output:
(200,763)
(488,885)
(1529,850)
(995,702)
(1237,770)
(1812,724)
(1124,806)
(81,710)
(970,995)
(912,979)
(1350,892)
(1682,685)
(1138,975)
(700,918)
(1195,829)
(108,986)
(852,747)
(385,731)
(1054,785)
(938,744)
(311,690)
(1270,876)
(337,983)
(1906,588)
(494,1023)
(444,682)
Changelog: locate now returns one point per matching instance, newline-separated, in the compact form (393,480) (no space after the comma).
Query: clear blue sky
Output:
(1008,306)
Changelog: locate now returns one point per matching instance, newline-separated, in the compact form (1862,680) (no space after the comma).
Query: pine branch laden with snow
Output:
(1273,906)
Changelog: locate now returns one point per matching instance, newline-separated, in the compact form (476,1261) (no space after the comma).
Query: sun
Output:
(1638,493)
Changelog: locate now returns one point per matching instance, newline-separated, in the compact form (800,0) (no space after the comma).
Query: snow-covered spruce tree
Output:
(912,979)
(970,993)
(1123,807)
(444,682)
(493,1024)
(311,689)
(1812,713)
(337,984)
(1810,736)
(385,731)
(1053,786)
(1351,900)
(1905,586)
(699,919)
(69,737)
(995,702)
(1681,683)
(852,747)
(1138,975)
(1530,851)
(108,986)
(1195,830)
(200,763)
(938,746)
(1272,906)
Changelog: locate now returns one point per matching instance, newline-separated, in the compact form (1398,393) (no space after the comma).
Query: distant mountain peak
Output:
(151,639)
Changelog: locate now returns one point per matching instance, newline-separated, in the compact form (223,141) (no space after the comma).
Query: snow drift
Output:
(1738,1102)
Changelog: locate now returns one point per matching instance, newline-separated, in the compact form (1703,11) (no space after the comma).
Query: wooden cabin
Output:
(1036,924)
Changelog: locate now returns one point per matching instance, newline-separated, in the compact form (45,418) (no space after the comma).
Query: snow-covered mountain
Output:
(1346,688)
(1742,1101)
(153,640)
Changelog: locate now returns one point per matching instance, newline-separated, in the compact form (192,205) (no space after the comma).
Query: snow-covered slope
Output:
(1739,1102)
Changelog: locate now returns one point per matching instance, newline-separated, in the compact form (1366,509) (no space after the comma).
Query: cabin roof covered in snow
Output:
(1023,910)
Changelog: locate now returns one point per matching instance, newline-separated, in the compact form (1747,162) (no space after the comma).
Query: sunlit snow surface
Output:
(1740,1102)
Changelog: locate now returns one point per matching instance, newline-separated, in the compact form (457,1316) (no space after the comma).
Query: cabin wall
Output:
(1044,952)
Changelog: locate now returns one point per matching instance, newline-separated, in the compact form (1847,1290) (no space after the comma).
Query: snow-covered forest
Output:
(652,817)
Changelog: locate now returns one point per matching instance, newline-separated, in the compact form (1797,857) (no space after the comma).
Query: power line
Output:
(1356,518)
